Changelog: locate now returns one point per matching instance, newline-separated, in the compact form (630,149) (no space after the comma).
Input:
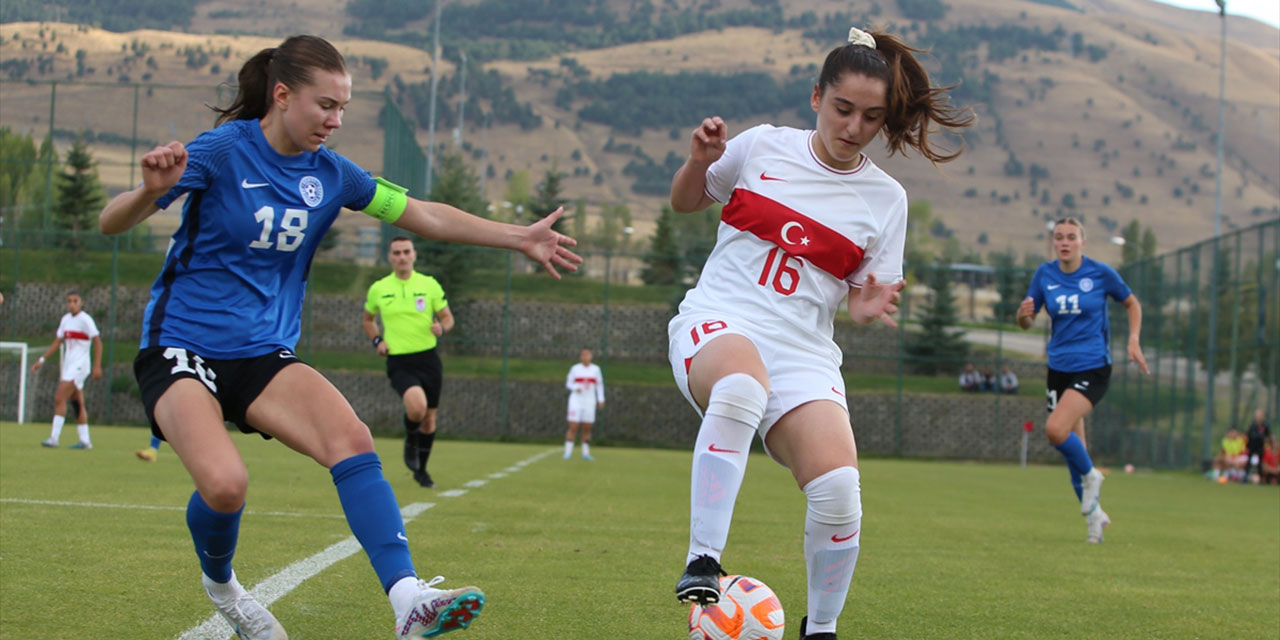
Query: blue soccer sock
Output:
(215,537)
(1073,450)
(155,442)
(1077,482)
(374,516)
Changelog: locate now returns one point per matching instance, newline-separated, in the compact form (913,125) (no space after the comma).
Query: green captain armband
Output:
(388,201)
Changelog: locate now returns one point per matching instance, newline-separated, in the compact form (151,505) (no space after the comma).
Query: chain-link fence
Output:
(904,393)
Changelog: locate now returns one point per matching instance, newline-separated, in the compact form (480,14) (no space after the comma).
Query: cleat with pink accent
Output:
(437,611)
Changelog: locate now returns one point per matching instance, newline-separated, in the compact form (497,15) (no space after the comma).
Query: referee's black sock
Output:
(411,444)
(425,440)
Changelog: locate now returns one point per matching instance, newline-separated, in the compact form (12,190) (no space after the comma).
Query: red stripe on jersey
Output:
(796,233)
(591,380)
(75,335)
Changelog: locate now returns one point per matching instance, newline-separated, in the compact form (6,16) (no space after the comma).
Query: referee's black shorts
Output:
(420,369)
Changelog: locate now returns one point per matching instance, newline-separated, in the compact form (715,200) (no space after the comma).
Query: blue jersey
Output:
(236,270)
(1077,306)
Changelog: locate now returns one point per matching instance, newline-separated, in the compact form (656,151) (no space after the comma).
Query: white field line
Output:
(289,578)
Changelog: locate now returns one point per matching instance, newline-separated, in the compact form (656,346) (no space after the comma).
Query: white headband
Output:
(858,36)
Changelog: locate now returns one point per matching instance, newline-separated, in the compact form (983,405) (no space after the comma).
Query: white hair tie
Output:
(858,36)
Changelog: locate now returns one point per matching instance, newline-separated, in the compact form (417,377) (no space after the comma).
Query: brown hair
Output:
(1073,221)
(291,63)
(914,105)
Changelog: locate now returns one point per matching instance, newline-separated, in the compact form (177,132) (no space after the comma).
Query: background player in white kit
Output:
(75,333)
(808,221)
(585,383)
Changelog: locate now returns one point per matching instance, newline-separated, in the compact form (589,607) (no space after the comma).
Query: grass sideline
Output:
(569,550)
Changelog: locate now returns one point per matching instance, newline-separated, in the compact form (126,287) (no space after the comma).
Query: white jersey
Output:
(795,235)
(77,333)
(585,383)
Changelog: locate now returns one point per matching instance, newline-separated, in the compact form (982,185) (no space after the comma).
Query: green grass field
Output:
(94,544)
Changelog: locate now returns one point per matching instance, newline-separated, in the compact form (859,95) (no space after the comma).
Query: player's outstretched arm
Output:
(689,186)
(162,167)
(538,241)
(875,301)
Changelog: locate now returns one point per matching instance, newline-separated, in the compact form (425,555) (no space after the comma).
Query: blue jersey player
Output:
(224,316)
(1073,290)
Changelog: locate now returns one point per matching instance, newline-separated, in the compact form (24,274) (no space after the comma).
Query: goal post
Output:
(20,349)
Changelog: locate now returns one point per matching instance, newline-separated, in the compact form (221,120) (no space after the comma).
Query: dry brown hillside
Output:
(1141,119)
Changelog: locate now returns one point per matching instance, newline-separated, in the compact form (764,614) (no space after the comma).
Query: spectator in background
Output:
(1008,380)
(1256,436)
(988,380)
(970,379)
(1270,463)
(1230,462)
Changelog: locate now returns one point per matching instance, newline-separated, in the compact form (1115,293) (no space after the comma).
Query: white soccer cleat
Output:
(50,443)
(437,611)
(248,619)
(1091,486)
(1097,521)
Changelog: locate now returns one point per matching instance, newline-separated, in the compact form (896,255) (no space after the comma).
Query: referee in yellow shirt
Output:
(414,315)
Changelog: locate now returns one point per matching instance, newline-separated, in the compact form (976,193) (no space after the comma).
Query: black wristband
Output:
(377,340)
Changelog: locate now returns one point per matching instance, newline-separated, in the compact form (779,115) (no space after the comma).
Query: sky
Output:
(1267,11)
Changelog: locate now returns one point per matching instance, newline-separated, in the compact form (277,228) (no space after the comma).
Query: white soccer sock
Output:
(586,448)
(832,531)
(402,594)
(222,592)
(57,428)
(82,430)
(734,412)
(568,448)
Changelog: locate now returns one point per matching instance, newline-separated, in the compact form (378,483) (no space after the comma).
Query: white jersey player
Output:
(585,383)
(76,332)
(808,221)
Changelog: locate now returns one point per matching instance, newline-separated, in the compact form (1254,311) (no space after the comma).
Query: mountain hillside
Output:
(1104,109)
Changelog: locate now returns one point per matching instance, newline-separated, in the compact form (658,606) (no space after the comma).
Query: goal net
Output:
(17,384)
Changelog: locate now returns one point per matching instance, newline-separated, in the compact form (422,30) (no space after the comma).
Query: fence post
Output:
(133,139)
(48,169)
(902,354)
(506,342)
(111,325)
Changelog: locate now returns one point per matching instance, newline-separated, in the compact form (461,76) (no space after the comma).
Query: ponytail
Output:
(293,63)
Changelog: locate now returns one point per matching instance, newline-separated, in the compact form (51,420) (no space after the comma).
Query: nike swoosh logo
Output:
(714,449)
(837,391)
(245,184)
(1053,286)
(835,538)
(764,177)
(213,557)
(401,536)
(286,354)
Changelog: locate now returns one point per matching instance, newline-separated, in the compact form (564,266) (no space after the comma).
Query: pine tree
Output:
(662,263)
(937,349)
(450,263)
(80,195)
(548,198)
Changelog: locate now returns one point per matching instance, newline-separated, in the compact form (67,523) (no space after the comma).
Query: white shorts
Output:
(75,372)
(582,408)
(796,376)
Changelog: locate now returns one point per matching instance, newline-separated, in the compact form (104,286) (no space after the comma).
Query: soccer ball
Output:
(748,610)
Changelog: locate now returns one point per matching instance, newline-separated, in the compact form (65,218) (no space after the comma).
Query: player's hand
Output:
(1026,309)
(1135,354)
(599,405)
(163,166)
(382,348)
(437,329)
(97,373)
(876,301)
(36,366)
(549,248)
(706,144)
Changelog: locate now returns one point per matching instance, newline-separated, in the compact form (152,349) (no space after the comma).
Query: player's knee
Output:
(835,497)
(738,397)
(224,490)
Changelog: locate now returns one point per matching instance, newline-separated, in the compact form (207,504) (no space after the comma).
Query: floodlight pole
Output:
(431,117)
(1206,452)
